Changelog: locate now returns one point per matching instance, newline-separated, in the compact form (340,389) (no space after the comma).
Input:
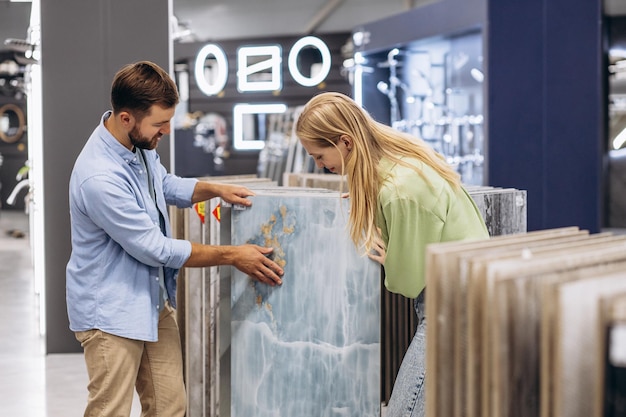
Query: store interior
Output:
(526,97)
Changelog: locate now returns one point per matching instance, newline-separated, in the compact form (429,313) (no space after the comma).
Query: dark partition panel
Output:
(83,45)
(547,103)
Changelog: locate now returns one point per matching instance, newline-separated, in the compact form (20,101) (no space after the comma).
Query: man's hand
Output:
(253,261)
(235,194)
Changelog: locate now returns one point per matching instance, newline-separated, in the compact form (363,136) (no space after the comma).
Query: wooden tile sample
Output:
(611,375)
(575,391)
(445,306)
(497,395)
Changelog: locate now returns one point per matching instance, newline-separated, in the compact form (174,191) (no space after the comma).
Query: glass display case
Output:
(423,72)
(616,131)
(433,89)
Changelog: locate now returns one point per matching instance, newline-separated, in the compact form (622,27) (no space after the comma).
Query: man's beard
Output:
(142,142)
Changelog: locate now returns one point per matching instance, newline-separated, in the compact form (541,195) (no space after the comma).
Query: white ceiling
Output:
(232,19)
(615,7)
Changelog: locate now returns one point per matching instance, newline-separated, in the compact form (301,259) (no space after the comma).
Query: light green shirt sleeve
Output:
(414,212)
(409,228)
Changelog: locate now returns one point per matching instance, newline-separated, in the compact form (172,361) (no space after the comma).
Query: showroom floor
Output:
(31,384)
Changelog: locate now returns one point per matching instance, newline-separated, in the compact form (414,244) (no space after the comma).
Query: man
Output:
(121,276)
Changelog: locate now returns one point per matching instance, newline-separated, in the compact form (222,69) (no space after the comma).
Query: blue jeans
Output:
(408,397)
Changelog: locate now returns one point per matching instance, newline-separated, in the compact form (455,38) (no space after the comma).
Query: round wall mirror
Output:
(12,123)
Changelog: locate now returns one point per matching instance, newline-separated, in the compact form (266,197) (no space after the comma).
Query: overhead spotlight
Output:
(619,140)
(359,59)
(181,31)
(383,87)
(360,38)
(477,75)
(617,54)
(348,63)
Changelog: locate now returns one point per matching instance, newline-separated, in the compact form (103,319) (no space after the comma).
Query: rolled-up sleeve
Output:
(120,212)
(177,191)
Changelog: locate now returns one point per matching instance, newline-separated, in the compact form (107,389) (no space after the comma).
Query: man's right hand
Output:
(252,260)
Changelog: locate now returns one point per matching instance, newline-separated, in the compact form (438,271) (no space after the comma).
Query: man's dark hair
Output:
(137,87)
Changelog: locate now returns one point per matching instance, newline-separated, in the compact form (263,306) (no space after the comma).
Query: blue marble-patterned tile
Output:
(310,347)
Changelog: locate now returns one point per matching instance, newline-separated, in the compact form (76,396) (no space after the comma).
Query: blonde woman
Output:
(403,196)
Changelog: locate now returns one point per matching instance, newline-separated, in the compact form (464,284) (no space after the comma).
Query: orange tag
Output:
(217,212)
(199,207)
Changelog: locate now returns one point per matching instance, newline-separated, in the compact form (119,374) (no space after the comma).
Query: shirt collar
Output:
(114,144)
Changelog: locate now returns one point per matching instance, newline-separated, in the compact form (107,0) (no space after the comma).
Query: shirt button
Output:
(157,307)
(156,278)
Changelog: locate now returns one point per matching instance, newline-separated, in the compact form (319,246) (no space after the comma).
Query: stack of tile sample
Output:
(313,180)
(504,211)
(198,301)
(312,345)
(205,320)
(524,325)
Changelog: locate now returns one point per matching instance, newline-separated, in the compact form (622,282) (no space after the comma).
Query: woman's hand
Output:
(378,252)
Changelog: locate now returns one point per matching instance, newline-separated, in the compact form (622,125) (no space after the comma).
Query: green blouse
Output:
(412,213)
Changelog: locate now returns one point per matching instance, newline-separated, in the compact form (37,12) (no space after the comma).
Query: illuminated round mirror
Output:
(309,61)
(12,123)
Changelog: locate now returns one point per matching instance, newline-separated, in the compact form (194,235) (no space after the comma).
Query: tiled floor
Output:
(31,384)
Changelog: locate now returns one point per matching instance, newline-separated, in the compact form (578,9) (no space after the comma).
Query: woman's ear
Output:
(347,141)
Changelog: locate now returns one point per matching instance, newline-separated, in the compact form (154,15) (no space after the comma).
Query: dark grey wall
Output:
(15,19)
(83,44)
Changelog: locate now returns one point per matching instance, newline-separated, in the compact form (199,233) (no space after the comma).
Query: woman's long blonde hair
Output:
(327,117)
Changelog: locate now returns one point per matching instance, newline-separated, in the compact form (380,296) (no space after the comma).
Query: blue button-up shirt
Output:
(117,242)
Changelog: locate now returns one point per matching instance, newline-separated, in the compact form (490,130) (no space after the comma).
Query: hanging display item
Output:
(12,123)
